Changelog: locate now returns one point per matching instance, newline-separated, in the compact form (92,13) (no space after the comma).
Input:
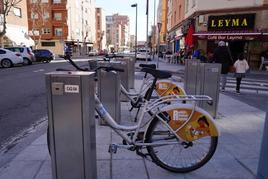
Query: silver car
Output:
(26,53)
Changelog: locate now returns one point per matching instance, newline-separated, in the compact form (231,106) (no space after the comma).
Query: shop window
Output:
(48,44)
(17,11)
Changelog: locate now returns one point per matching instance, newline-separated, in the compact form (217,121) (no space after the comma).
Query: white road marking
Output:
(40,70)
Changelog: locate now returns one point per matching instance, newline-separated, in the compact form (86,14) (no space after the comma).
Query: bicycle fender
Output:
(165,88)
(200,125)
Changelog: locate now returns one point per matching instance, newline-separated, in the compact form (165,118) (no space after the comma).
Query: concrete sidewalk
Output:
(236,156)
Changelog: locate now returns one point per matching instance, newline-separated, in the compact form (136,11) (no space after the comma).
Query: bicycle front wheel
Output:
(178,156)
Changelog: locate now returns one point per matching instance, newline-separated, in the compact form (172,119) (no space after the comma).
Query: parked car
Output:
(43,55)
(141,54)
(26,53)
(93,53)
(9,58)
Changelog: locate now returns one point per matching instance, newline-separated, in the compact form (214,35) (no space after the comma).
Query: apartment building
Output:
(162,17)
(241,23)
(100,29)
(17,27)
(117,32)
(55,23)
(176,12)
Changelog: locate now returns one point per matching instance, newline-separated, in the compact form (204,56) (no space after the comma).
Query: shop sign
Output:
(228,37)
(231,22)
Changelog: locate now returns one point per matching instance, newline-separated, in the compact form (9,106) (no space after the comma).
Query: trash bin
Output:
(71,121)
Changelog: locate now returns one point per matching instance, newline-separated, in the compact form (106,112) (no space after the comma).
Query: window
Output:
(46,31)
(17,11)
(2,52)
(57,16)
(56,1)
(34,1)
(35,31)
(46,15)
(180,13)
(48,44)
(44,1)
(58,32)
(194,3)
(34,15)
(186,5)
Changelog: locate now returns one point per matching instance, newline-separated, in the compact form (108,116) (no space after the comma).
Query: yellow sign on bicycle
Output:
(197,127)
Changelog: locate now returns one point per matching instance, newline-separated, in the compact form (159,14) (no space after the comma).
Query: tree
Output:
(39,16)
(8,5)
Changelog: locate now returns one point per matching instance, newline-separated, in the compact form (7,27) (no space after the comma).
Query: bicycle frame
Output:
(149,107)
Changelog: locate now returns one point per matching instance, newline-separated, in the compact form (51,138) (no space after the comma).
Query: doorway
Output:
(236,48)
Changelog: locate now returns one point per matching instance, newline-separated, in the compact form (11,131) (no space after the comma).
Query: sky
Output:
(123,7)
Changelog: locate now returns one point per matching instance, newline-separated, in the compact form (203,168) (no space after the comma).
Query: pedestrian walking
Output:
(241,66)
(222,55)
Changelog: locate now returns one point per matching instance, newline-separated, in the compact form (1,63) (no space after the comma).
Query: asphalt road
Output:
(23,97)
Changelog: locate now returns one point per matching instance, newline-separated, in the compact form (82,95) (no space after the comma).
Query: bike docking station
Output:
(130,69)
(108,88)
(72,135)
(203,79)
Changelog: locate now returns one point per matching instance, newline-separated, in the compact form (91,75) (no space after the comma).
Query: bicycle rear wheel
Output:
(180,157)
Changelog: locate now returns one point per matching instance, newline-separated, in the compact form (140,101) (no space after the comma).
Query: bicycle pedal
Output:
(112,148)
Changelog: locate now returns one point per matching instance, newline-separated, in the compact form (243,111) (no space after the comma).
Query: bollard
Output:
(71,121)
(263,161)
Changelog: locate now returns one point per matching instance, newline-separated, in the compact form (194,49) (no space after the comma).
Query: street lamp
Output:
(136,29)
(159,25)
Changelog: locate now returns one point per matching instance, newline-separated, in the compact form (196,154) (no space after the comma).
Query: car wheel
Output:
(27,61)
(6,63)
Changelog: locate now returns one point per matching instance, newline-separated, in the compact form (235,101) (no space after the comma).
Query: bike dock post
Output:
(203,79)
(131,70)
(71,109)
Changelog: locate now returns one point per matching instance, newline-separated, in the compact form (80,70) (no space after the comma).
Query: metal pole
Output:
(158,48)
(154,28)
(147,37)
(136,32)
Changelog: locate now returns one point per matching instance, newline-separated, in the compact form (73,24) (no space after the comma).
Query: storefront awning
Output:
(19,37)
(228,36)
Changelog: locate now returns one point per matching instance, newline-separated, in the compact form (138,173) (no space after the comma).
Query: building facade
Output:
(201,24)
(17,27)
(117,32)
(100,29)
(55,23)
(162,17)
(240,23)
(175,40)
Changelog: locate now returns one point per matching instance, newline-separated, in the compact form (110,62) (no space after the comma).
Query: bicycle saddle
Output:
(152,66)
(157,73)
